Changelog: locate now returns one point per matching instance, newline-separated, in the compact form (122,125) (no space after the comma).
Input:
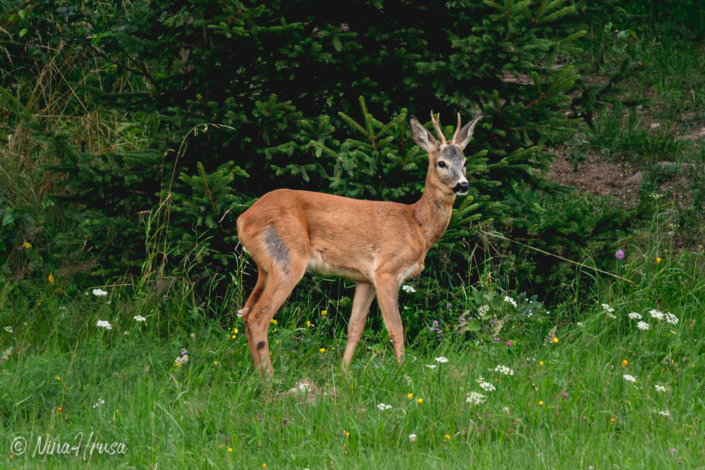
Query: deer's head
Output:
(446,170)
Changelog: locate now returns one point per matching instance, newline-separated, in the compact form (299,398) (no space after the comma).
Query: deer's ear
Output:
(422,137)
(465,134)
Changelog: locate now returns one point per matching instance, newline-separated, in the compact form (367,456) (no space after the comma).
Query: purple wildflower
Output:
(565,394)
(619,254)
(260,418)
(509,343)
(184,352)
(496,339)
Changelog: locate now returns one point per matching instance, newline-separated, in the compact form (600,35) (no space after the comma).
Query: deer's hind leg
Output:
(285,263)
(262,277)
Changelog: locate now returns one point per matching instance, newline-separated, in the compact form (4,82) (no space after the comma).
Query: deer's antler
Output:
(456,130)
(437,125)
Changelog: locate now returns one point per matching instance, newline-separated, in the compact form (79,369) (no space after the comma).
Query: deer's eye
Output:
(441,164)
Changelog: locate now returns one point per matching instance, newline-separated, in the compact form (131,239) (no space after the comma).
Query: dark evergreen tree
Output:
(272,89)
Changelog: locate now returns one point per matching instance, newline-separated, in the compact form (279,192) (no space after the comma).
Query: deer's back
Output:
(342,236)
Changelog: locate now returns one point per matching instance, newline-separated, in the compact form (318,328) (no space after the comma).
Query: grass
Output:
(567,404)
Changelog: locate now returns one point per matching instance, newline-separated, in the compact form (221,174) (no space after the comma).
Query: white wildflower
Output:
(430,366)
(607,308)
(474,398)
(656,314)
(488,387)
(642,325)
(383,407)
(497,327)
(8,329)
(482,311)
(408,289)
(6,355)
(504,370)
(660,388)
(629,378)
(303,387)
(551,334)
(139,318)
(99,292)
(441,359)
(670,318)
(510,300)
(580,324)
(412,437)
(635,316)
(181,360)
(100,402)
(664,413)
(104,324)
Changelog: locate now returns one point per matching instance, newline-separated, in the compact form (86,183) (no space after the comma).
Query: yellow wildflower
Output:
(322,350)
(410,396)
(51,279)
(540,362)
(612,420)
(273,321)
(447,436)
(324,312)
(58,378)
(625,363)
(236,331)
(419,401)
(658,260)
(540,403)
(59,409)
(27,245)
(230,449)
(555,340)
(234,336)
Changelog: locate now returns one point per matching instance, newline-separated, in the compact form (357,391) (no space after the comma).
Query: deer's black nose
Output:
(461,188)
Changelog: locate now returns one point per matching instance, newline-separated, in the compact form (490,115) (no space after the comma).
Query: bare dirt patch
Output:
(596,176)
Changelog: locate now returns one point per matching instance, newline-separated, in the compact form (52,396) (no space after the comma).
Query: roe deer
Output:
(378,244)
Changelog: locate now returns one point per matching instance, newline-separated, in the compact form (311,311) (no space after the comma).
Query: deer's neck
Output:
(433,212)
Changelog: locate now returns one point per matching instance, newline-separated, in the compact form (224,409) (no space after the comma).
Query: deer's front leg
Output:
(364,294)
(388,298)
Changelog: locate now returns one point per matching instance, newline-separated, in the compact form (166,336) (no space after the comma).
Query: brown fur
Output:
(378,244)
